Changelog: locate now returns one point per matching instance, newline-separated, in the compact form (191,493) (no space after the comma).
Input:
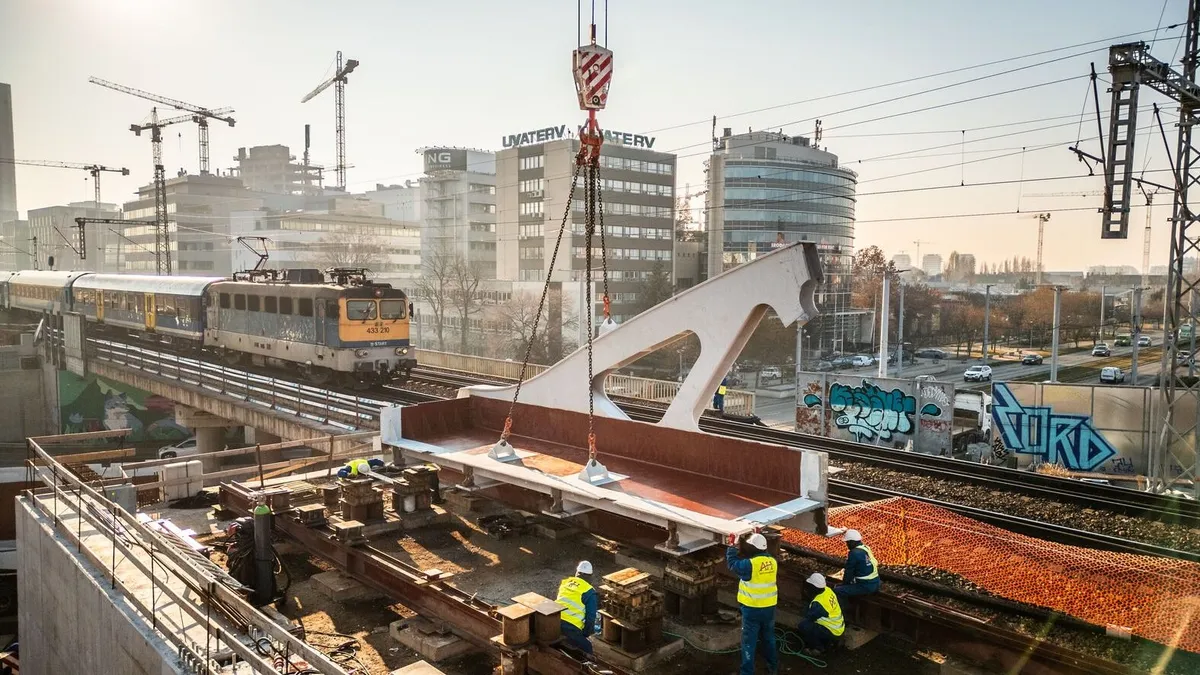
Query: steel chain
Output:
(589,231)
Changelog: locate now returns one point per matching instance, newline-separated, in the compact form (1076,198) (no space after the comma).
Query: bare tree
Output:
(464,296)
(435,286)
(518,316)
(344,249)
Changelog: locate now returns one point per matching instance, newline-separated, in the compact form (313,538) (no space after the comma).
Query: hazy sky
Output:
(467,73)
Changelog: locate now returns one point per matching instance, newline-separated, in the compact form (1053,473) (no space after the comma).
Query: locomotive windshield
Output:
(392,309)
(360,310)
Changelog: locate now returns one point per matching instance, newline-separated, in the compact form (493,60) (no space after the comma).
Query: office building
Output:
(274,169)
(8,174)
(931,264)
(58,237)
(533,178)
(458,207)
(766,188)
(329,232)
(16,251)
(199,236)
(902,261)
(400,202)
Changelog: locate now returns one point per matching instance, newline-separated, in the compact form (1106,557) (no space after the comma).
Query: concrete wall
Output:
(27,407)
(878,411)
(70,619)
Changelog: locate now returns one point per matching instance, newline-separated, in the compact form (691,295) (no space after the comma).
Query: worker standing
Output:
(861,576)
(719,397)
(757,595)
(580,603)
(355,467)
(823,622)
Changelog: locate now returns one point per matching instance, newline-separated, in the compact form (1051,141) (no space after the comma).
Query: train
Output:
(335,328)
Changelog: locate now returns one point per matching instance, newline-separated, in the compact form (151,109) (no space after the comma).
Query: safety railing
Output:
(737,402)
(233,629)
(315,404)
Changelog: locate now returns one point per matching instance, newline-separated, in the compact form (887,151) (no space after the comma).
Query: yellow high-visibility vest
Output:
(760,590)
(357,466)
(570,596)
(721,390)
(835,622)
(874,564)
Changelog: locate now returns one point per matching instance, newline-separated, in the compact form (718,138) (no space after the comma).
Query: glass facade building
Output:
(766,188)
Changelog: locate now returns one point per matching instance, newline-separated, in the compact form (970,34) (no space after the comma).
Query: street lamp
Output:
(987,316)
(885,310)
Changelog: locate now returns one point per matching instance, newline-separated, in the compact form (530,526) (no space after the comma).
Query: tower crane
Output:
(1144,186)
(94,169)
(1042,218)
(199,115)
(339,94)
(1173,459)
(918,261)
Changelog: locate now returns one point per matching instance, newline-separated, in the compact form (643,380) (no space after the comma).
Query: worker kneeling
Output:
(861,576)
(580,604)
(757,595)
(823,622)
(355,467)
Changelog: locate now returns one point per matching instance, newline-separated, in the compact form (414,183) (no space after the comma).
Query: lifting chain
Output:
(589,154)
(508,421)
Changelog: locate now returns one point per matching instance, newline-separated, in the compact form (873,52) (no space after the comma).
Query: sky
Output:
(466,73)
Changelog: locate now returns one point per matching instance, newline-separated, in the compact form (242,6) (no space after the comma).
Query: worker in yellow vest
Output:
(757,596)
(719,397)
(823,622)
(355,467)
(580,605)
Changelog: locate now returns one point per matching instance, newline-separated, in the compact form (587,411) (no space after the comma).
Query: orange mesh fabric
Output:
(1158,598)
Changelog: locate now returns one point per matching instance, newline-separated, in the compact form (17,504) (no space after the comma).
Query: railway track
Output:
(1166,508)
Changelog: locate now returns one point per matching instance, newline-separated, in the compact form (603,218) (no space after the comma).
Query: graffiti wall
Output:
(1096,428)
(96,404)
(879,411)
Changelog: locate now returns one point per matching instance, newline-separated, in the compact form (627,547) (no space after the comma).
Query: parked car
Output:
(770,373)
(1032,359)
(843,362)
(1111,375)
(1145,341)
(181,449)
(936,354)
(1101,349)
(1124,340)
(1183,358)
(978,374)
(861,360)
(822,366)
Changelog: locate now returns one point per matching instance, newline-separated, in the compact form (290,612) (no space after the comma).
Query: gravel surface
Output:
(1035,508)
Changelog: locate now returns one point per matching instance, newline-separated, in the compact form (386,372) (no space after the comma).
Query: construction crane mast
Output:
(1174,459)
(199,115)
(94,169)
(339,94)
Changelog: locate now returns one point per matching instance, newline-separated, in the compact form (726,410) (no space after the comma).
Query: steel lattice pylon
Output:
(1174,459)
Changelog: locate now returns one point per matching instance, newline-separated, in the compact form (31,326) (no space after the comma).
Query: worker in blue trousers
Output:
(757,596)
(823,622)
(355,467)
(580,604)
(719,397)
(861,576)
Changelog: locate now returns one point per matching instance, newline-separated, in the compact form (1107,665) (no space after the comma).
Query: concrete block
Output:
(555,530)
(433,646)
(856,637)
(463,502)
(339,587)
(636,663)
(418,668)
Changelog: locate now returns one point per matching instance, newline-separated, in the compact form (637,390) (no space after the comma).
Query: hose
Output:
(783,638)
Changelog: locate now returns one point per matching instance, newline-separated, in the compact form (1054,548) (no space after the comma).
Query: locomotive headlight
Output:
(401,351)
(360,353)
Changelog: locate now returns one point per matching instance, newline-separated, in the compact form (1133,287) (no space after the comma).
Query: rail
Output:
(229,624)
(324,406)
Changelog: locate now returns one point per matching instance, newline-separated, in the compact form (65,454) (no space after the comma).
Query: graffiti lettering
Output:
(1122,465)
(868,412)
(934,394)
(1057,438)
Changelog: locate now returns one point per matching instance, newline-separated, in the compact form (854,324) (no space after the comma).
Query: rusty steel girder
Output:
(428,595)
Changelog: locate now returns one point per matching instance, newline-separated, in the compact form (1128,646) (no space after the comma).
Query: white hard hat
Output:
(852,535)
(584,567)
(757,541)
(817,579)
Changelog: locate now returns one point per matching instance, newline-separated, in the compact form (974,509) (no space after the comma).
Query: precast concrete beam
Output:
(197,419)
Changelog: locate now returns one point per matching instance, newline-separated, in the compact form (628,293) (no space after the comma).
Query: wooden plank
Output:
(83,436)
(97,456)
(285,445)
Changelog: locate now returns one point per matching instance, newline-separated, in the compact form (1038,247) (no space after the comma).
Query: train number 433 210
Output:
(377,330)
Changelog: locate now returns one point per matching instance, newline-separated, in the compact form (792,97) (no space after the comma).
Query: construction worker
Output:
(719,397)
(757,595)
(823,622)
(357,466)
(861,576)
(580,604)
